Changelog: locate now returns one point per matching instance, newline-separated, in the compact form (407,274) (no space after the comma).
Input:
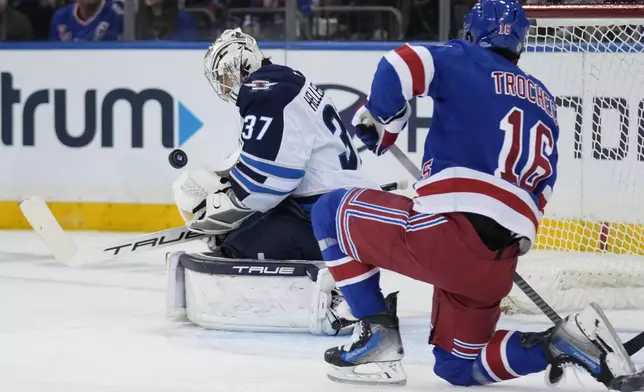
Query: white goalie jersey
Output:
(294,142)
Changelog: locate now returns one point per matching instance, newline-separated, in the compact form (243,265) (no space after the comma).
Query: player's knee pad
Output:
(324,213)
(254,295)
(455,370)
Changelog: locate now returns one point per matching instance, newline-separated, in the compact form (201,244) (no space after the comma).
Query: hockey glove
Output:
(191,189)
(372,132)
(223,214)
(207,203)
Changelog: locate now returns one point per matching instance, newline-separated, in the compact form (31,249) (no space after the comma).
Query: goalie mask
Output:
(229,61)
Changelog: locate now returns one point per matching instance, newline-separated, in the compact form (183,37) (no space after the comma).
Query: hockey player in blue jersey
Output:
(88,20)
(489,168)
(257,205)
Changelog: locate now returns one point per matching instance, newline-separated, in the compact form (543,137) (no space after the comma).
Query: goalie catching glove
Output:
(207,202)
(379,134)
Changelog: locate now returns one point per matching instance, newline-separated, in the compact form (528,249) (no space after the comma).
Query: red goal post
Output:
(590,245)
(579,11)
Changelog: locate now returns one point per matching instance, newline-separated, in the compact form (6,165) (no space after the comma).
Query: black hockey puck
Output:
(391,186)
(178,158)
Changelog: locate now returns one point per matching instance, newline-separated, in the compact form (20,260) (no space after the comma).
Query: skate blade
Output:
(374,373)
(620,362)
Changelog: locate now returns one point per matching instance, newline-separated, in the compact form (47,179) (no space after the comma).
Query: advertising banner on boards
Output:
(97,126)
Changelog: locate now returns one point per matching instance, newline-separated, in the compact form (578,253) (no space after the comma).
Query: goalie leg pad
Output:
(176,294)
(253,295)
(330,313)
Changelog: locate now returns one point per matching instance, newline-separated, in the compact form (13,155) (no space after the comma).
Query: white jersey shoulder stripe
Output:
(428,65)
(403,72)
(414,66)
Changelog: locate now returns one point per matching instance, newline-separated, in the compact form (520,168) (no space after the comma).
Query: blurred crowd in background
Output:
(190,20)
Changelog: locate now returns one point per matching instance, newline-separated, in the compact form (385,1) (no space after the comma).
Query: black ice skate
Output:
(588,340)
(374,353)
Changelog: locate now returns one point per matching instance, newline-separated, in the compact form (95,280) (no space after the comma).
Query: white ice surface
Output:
(103,329)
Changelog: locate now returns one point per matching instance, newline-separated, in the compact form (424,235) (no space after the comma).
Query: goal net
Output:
(591,243)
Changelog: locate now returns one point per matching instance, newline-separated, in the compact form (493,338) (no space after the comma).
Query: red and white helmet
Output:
(229,61)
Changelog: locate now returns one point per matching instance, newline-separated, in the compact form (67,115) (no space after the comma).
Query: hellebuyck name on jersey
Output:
(313,96)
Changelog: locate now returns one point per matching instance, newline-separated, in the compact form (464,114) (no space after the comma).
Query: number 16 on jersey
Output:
(541,144)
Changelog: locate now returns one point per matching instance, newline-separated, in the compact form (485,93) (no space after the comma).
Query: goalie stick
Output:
(66,251)
(632,346)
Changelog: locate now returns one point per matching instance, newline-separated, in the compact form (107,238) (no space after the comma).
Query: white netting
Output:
(592,240)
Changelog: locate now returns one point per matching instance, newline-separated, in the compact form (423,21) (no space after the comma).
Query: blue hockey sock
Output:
(359,283)
(505,358)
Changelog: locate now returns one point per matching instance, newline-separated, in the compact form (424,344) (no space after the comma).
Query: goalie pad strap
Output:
(176,294)
(213,265)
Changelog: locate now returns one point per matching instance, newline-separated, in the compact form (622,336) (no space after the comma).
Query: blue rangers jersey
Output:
(294,142)
(105,25)
(492,145)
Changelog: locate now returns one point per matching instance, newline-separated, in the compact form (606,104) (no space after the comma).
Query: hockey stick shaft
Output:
(632,346)
(404,160)
(177,235)
(67,252)
(536,298)
(146,242)
(635,344)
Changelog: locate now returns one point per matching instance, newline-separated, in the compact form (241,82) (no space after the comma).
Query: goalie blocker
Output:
(254,295)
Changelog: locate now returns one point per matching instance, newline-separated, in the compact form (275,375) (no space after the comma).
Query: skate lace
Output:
(575,370)
(358,334)
(336,320)
(575,367)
